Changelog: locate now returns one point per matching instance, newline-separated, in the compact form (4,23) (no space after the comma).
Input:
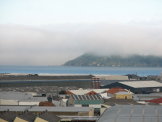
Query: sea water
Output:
(141,71)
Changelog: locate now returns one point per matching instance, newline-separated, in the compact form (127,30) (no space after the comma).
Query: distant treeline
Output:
(116,61)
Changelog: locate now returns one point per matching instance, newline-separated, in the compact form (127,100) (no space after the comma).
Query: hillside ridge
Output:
(116,61)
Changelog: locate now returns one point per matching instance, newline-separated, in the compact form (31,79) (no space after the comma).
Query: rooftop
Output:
(87,97)
(15,95)
(132,113)
(85,91)
(112,77)
(115,90)
(142,84)
(40,109)
(159,100)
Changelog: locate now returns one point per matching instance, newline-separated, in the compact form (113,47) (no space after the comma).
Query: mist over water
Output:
(52,32)
(54,45)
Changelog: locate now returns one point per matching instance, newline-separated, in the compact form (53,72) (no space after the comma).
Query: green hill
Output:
(116,61)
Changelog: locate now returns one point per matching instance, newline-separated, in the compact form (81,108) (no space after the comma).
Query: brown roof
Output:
(69,92)
(46,103)
(91,93)
(115,90)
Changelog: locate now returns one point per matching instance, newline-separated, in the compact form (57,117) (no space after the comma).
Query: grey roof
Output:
(50,117)
(132,113)
(143,97)
(142,84)
(61,109)
(8,116)
(40,109)
(14,108)
(30,117)
(34,99)
(80,118)
(15,95)
(87,97)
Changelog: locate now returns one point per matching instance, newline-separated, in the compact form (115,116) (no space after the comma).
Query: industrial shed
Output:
(138,87)
(94,101)
(132,113)
(66,111)
(86,100)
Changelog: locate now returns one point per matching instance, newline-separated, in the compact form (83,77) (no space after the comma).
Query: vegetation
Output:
(116,61)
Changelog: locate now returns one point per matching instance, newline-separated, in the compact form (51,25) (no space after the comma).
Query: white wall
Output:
(8,102)
(77,105)
(28,103)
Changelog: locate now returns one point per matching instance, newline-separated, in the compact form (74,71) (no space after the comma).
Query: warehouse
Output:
(28,117)
(86,100)
(94,101)
(66,111)
(138,87)
(132,113)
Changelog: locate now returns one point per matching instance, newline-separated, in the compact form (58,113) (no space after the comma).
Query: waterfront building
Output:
(138,87)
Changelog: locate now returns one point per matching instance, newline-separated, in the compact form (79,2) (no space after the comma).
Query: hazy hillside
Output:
(133,61)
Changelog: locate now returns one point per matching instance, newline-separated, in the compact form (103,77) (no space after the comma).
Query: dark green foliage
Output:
(116,61)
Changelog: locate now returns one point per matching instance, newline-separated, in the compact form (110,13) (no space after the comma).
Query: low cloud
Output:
(55,44)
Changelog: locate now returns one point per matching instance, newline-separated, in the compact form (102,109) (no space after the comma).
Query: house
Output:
(138,87)
(123,95)
(111,92)
(115,90)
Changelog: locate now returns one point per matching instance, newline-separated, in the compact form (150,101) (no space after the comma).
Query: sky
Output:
(51,32)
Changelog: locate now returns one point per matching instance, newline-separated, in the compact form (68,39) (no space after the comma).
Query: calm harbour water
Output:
(141,71)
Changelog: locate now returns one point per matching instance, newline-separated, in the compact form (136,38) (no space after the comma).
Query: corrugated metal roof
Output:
(132,113)
(87,97)
(15,95)
(142,84)
(112,77)
(14,108)
(40,109)
(159,100)
(61,109)
(85,91)
(143,97)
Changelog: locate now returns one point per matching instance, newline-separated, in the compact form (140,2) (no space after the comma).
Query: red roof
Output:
(69,92)
(115,90)
(91,93)
(159,100)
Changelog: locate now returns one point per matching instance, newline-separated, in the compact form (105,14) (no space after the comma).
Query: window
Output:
(85,105)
